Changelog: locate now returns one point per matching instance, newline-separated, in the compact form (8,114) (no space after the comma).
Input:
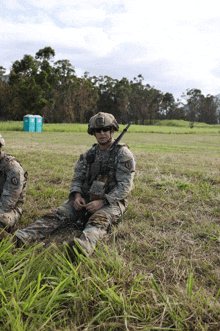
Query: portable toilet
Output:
(29,123)
(38,123)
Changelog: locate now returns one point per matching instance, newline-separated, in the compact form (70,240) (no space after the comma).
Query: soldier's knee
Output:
(100,219)
(56,214)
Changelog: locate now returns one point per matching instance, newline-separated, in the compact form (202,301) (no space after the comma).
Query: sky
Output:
(173,44)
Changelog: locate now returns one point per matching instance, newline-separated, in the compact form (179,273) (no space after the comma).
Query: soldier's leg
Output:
(52,221)
(9,220)
(96,228)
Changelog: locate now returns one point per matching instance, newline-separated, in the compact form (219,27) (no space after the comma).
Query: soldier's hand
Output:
(95,205)
(79,202)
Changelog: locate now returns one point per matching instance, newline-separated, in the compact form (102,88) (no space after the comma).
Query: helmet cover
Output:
(101,120)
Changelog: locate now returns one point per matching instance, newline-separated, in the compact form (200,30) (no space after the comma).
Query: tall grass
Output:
(157,270)
(41,290)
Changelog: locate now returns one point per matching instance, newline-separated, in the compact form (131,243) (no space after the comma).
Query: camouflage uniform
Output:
(13,183)
(118,165)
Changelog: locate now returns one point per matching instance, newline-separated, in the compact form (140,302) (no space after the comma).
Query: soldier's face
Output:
(103,137)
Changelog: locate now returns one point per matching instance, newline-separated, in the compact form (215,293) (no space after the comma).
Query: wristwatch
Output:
(105,201)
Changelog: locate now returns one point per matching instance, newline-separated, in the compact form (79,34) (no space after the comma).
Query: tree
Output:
(62,80)
(38,85)
(122,92)
(31,80)
(2,71)
(168,107)
(208,110)
(153,100)
(137,102)
(107,101)
(145,101)
(45,54)
(194,99)
(200,108)
(86,97)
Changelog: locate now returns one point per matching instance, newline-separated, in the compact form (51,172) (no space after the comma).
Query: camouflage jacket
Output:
(13,182)
(117,164)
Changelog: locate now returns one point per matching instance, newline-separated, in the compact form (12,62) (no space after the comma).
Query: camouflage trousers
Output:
(65,215)
(8,220)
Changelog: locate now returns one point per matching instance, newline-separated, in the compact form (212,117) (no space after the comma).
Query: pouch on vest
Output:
(97,190)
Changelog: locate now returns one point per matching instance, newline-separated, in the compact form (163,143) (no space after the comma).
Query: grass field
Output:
(165,126)
(159,269)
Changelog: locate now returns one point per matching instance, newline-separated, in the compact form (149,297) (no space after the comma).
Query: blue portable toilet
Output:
(38,123)
(29,123)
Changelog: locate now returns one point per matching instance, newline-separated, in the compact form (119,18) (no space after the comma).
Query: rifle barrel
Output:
(121,135)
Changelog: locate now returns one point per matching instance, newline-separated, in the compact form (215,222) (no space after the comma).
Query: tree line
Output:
(38,85)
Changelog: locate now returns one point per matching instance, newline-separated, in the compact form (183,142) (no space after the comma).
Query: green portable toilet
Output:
(29,123)
(38,123)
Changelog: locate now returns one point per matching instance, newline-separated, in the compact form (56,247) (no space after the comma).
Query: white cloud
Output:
(72,3)
(173,41)
(91,40)
(12,4)
(164,11)
(74,17)
(169,42)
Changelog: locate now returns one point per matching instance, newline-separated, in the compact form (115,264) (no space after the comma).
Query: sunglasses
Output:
(105,129)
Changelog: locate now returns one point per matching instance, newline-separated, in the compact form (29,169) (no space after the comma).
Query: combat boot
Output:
(6,235)
(85,244)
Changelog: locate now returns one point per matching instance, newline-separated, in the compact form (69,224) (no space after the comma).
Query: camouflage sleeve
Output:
(79,174)
(13,186)
(124,175)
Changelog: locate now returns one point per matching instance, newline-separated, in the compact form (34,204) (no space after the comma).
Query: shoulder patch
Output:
(128,164)
(14,181)
(126,159)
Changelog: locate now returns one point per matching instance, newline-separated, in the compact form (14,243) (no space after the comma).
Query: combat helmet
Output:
(101,120)
(2,142)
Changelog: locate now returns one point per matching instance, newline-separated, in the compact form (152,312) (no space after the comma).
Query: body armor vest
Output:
(103,166)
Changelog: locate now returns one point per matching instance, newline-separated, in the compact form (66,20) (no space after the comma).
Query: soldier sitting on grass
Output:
(13,183)
(103,178)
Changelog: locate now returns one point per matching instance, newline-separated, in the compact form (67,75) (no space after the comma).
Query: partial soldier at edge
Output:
(13,182)
(103,178)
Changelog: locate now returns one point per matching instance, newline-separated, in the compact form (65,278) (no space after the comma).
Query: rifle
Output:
(115,143)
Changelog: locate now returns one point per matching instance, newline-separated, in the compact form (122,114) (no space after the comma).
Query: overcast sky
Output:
(173,44)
